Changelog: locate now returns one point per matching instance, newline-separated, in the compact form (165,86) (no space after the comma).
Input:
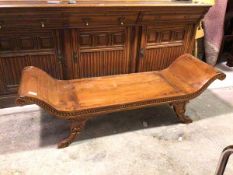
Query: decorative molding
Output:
(27,42)
(95,39)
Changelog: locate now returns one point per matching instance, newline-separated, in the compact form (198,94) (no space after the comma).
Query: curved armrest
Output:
(35,83)
(191,74)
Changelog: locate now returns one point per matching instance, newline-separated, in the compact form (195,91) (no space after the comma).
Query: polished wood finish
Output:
(92,38)
(82,99)
(100,3)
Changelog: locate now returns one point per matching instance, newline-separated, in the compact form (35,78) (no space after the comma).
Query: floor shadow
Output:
(23,131)
(209,104)
(53,130)
(205,106)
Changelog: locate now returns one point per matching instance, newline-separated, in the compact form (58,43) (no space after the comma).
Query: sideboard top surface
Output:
(97,3)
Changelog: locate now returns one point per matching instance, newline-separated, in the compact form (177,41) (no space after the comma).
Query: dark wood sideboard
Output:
(92,38)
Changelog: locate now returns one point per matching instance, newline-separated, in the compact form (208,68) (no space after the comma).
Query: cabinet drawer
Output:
(37,24)
(150,18)
(67,21)
(100,20)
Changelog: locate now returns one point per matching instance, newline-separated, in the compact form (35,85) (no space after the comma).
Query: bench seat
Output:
(80,99)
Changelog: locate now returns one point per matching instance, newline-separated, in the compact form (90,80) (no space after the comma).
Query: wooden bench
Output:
(81,99)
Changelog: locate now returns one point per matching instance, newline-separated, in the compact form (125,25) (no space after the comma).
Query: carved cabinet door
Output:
(97,52)
(40,49)
(160,46)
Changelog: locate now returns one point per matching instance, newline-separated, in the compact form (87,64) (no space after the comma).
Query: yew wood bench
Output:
(81,99)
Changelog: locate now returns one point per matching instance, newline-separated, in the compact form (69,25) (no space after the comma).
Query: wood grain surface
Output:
(80,99)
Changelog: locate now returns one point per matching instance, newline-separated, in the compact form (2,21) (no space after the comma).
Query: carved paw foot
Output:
(64,143)
(75,130)
(179,108)
(185,119)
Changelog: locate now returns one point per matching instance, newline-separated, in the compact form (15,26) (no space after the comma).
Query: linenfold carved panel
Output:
(12,67)
(160,58)
(102,52)
(27,49)
(162,46)
(92,64)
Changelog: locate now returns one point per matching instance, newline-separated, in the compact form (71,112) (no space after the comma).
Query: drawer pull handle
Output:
(0,27)
(42,25)
(86,23)
(122,21)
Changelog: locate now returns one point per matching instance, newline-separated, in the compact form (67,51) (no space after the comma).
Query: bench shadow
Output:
(203,107)
(54,130)
(35,129)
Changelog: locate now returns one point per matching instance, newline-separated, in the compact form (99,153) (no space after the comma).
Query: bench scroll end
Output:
(221,75)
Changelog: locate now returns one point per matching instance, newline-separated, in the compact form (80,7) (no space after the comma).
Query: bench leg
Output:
(179,108)
(75,129)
